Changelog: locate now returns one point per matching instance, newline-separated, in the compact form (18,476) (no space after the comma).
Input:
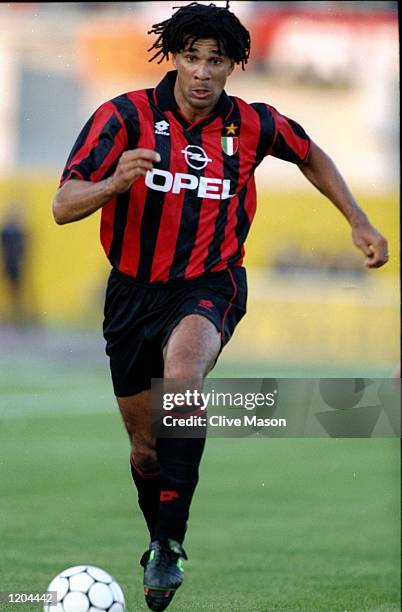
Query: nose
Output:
(202,72)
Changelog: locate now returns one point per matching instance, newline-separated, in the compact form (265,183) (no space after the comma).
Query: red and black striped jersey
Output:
(191,214)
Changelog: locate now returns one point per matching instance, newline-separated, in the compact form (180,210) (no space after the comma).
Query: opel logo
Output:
(195,157)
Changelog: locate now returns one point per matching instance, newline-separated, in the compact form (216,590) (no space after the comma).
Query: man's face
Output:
(201,76)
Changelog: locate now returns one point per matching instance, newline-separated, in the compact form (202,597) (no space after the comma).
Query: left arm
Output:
(321,171)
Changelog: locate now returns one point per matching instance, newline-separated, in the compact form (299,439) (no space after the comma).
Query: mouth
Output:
(200,93)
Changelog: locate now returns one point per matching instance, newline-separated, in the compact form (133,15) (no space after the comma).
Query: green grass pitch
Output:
(276,525)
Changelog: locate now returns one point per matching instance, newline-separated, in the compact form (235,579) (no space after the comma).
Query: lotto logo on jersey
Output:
(207,187)
(162,128)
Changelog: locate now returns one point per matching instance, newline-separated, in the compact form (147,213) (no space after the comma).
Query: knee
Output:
(145,458)
(184,370)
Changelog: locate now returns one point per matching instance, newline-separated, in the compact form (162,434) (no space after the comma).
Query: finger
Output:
(142,170)
(146,166)
(146,154)
(376,264)
(366,248)
(377,258)
(379,254)
(376,261)
(134,165)
(382,249)
(139,172)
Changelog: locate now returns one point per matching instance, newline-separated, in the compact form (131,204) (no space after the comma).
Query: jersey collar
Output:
(165,100)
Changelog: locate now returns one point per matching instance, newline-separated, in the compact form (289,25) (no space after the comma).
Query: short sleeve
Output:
(99,146)
(281,136)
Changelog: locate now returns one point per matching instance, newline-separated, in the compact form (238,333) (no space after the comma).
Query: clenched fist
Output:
(77,199)
(371,243)
(131,165)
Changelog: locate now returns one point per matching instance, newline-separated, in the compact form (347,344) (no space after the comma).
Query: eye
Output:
(190,58)
(217,60)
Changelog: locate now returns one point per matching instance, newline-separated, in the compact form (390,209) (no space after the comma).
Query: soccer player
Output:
(172,168)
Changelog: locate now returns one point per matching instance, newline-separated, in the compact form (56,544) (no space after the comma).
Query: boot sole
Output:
(158,599)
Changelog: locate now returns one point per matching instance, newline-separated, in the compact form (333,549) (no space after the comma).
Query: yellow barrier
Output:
(322,321)
(309,221)
(67,270)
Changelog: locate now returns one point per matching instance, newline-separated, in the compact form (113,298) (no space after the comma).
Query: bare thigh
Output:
(192,348)
(189,353)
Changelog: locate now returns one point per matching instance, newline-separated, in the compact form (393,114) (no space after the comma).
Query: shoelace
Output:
(163,555)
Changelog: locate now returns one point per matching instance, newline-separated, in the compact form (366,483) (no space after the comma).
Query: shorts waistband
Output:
(115,273)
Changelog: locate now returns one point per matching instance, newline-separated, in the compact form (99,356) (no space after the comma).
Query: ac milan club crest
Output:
(230,144)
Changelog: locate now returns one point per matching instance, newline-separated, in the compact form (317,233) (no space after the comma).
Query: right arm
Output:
(78,199)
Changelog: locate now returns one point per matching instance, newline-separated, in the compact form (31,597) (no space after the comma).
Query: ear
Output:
(174,60)
(231,68)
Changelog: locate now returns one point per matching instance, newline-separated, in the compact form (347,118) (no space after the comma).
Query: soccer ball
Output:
(85,588)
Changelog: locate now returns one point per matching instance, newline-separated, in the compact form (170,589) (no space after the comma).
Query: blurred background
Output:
(332,66)
(314,310)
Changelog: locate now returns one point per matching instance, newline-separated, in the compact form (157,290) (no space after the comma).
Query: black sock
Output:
(179,459)
(148,487)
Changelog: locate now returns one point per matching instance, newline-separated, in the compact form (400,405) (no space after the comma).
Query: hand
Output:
(372,243)
(132,164)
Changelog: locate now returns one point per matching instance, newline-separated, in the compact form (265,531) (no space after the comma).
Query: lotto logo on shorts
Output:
(206,304)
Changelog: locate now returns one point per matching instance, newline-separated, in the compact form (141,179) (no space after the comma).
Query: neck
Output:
(189,112)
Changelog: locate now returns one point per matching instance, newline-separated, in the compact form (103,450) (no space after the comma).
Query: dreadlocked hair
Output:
(194,21)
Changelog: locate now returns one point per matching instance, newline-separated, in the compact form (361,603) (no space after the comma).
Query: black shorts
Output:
(139,318)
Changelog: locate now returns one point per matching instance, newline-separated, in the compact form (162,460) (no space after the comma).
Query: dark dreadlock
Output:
(194,21)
